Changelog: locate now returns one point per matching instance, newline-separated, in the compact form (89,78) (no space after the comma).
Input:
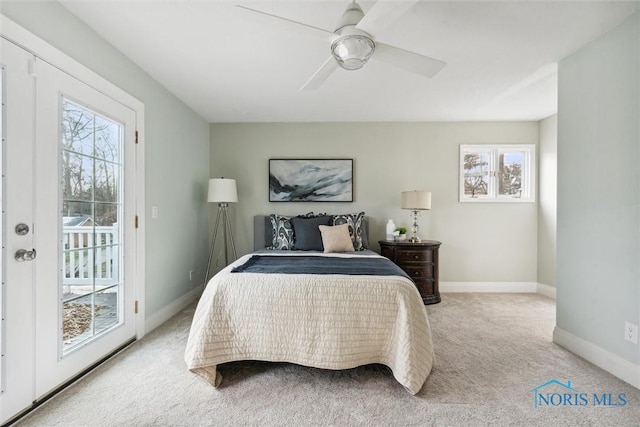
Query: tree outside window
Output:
(476,174)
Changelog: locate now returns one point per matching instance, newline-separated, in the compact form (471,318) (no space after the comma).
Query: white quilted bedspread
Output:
(323,321)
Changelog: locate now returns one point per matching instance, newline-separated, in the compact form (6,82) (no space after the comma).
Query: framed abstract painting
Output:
(311,180)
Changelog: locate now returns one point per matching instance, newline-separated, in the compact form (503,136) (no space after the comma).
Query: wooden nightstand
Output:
(420,261)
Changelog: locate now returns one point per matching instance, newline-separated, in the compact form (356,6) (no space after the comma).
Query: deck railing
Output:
(90,255)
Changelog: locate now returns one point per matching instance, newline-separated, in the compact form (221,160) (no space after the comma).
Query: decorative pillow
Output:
(336,238)
(311,215)
(356,228)
(282,231)
(306,233)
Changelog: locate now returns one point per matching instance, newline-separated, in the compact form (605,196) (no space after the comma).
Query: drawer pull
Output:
(416,256)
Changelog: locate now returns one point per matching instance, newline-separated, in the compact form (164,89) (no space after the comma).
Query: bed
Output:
(335,310)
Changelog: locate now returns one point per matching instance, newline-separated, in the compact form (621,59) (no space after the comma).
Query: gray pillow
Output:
(306,231)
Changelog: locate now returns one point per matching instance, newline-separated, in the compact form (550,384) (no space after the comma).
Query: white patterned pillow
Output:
(356,228)
(282,231)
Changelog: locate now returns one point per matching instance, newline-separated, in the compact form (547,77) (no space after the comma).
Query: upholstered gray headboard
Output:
(262,234)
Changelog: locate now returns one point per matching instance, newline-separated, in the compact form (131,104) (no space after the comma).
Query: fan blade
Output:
(321,75)
(382,14)
(313,31)
(409,61)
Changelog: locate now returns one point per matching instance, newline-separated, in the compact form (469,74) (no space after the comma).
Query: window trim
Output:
(528,178)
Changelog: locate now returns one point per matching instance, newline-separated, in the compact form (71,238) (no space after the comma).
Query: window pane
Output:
(107,139)
(78,263)
(107,183)
(76,213)
(476,174)
(106,215)
(77,321)
(510,173)
(77,128)
(77,176)
(107,315)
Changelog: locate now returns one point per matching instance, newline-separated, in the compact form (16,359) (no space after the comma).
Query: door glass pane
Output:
(77,176)
(91,211)
(107,309)
(107,140)
(72,211)
(76,320)
(476,174)
(510,173)
(107,181)
(77,129)
(106,214)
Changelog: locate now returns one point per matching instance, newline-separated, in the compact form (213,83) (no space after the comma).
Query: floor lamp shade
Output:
(222,190)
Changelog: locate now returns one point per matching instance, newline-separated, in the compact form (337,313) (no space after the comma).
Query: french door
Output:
(68,228)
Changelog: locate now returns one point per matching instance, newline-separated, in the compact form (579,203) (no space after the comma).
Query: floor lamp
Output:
(222,191)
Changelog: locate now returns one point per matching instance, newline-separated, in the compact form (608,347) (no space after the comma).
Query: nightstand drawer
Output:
(419,271)
(425,286)
(406,256)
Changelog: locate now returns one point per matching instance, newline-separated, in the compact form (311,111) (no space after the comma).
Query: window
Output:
(92,165)
(497,173)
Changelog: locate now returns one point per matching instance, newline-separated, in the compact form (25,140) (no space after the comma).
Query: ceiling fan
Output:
(353,42)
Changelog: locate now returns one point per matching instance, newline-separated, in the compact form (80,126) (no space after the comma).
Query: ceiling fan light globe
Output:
(352,51)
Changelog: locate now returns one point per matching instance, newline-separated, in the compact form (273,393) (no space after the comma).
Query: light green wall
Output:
(176,151)
(598,280)
(488,242)
(547,200)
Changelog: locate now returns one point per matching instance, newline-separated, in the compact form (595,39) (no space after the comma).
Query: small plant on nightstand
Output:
(402,233)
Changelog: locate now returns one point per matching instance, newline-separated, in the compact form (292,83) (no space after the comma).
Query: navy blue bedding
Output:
(303,264)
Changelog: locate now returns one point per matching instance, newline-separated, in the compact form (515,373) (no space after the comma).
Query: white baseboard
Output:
(504,287)
(615,365)
(546,290)
(172,309)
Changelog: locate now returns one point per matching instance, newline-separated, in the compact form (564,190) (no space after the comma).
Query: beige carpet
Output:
(491,350)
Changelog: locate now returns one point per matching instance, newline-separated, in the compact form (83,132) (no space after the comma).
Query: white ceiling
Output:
(230,65)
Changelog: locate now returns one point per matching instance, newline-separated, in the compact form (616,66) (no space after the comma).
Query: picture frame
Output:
(310,180)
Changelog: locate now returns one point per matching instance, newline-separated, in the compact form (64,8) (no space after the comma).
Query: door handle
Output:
(25,255)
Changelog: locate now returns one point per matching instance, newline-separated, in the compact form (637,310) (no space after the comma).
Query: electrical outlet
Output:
(190,275)
(631,332)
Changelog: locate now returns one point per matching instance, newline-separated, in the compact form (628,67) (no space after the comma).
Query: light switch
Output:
(154,212)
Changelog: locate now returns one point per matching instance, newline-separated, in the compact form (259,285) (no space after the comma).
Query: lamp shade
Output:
(222,190)
(416,200)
